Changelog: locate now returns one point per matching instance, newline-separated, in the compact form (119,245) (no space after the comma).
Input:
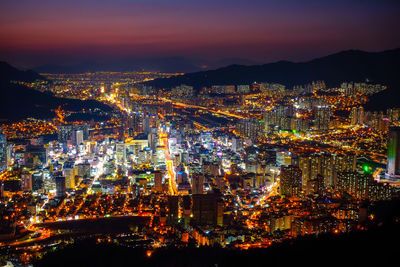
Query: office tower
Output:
(146,124)
(197,183)
(290,181)
(60,186)
(393,160)
(153,141)
(207,209)
(26,181)
(69,174)
(78,137)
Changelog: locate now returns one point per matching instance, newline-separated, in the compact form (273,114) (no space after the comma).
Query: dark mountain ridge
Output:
(351,65)
(19,102)
(9,73)
(166,64)
(162,64)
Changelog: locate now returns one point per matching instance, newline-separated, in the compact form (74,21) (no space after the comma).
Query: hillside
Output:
(19,102)
(9,73)
(352,65)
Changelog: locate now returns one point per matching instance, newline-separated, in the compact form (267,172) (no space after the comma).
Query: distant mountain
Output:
(210,65)
(164,64)
(9,73)
(19,102)
(167,64)
(352,65)
(349,65)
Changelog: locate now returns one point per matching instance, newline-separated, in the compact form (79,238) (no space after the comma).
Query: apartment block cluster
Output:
(377,120)
(352,88)
(185,91)
(319,172)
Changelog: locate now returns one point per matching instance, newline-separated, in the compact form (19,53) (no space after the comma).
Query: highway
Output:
(204,108)
(163,141)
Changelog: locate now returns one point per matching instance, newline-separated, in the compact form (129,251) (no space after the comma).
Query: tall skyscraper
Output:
(60,186)
(147,124)
(78,137)
(393,160)
(69,174)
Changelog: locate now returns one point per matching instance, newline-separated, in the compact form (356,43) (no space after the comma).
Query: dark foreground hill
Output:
(375,247)
(19,102)
(358,249)
(9,73)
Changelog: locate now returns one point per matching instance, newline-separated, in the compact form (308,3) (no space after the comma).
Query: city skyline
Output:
(34,33)
(199,133)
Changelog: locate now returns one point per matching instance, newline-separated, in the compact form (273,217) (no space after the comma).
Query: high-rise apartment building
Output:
(290,181)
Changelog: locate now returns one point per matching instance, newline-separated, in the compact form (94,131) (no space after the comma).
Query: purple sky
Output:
(35,32)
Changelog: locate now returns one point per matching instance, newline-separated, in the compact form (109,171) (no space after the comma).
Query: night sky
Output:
(35,32)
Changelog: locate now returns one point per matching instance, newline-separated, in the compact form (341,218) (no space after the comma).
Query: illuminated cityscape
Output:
(203,168)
